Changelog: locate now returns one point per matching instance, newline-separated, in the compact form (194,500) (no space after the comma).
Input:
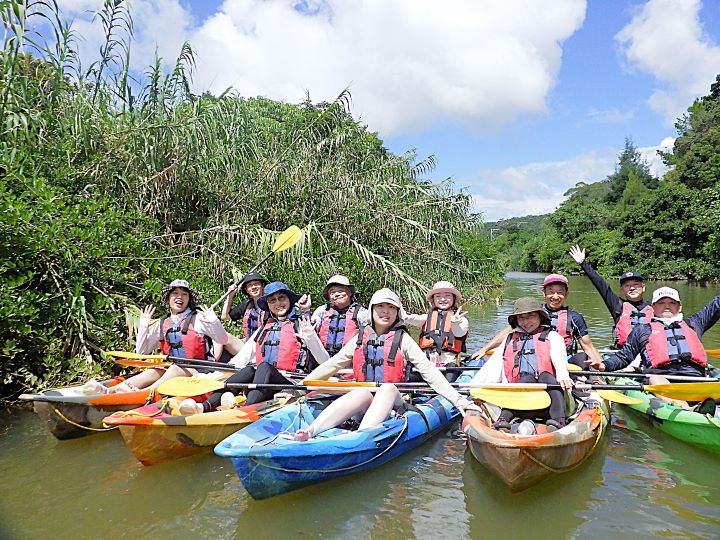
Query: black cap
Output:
(252,276)
(631,275)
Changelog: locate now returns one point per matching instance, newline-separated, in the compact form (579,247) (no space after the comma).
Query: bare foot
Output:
(303,434)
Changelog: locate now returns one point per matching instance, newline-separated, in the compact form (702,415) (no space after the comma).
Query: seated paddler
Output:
(531,353)
(383,352)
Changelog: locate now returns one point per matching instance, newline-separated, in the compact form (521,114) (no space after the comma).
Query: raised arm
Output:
(494,343)
(612,300)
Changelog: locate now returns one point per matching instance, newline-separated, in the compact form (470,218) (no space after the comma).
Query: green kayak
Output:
(701,430)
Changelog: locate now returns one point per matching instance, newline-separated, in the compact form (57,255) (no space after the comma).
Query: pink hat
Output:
(555,278)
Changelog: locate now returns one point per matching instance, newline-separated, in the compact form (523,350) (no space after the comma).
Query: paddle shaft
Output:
(642,376)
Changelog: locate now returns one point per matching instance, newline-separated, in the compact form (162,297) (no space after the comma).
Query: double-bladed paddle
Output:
(288,238)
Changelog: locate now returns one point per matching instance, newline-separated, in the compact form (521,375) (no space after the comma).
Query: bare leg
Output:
(337,412)
(144,379)
(659,379)
(386,398)
(233,347)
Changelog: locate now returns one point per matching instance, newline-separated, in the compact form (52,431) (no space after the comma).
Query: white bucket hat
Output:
(386,295)
(444,287)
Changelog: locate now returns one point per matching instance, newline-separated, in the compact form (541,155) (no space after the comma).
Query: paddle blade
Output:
(715,353)
(618,397)
(574,367)
(188,386)
(686,391)
(288,238)
(520,399)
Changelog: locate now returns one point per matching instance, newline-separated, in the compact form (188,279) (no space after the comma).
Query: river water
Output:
(640,482)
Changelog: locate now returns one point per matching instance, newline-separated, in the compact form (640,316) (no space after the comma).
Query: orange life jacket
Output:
(253,318)
(561,322)
(436,332)
(278,345)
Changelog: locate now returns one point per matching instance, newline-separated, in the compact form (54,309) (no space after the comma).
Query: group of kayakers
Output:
(282,337)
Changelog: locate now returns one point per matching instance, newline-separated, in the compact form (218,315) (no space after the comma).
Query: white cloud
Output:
(410,64)
(666,39)
(538,188)
(613,115)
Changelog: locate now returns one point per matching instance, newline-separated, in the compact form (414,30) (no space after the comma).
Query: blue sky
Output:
(517,99)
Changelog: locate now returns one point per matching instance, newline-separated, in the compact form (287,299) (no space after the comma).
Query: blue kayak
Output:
(269,462)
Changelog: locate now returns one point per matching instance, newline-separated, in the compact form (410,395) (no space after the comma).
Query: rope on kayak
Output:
(134,412)
(88,428)
(570,468)
(340,469)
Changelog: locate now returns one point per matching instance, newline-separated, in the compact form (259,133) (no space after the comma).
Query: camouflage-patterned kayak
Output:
(521,461)
(701,430)
(155,436)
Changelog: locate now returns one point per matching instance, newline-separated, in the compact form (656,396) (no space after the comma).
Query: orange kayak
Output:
(521,461)
(154,436)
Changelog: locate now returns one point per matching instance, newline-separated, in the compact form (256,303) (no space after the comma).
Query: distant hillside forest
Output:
(666,228)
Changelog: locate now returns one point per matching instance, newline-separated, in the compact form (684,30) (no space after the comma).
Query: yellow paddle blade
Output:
(618,397)
(288,238)
(135,356)
(520,399)
(188,386)
(573,367)
(686,391)
(715,353)
(338,384)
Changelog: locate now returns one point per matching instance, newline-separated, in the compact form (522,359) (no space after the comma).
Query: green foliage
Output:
(630,162)
(110,189)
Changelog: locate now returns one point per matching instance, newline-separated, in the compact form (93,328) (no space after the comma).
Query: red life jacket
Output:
(181,339)
(517,355)
(436,332)
(674,343)
(561,322)
(278,345)
(338,329)
(379,358)
(629,319)
(253,318)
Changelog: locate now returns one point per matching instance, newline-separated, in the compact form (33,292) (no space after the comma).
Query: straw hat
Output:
(444,287)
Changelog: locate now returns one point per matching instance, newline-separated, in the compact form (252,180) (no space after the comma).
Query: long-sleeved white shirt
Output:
(459,329)
(493,370)
(412,353)
(149,335)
